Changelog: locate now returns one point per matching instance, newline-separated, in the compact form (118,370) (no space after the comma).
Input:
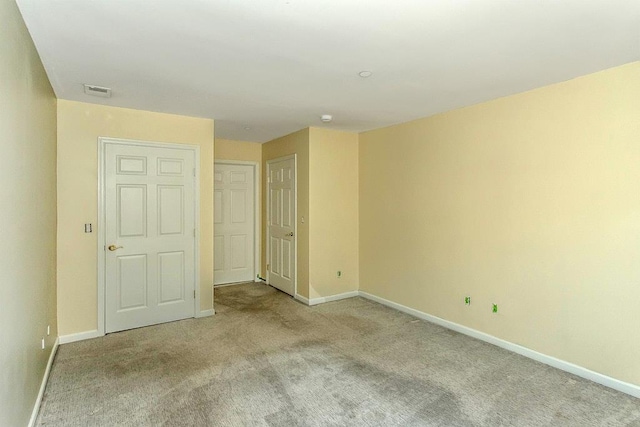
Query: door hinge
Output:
(268,265)
(194,171)
(194,294)
(194,232)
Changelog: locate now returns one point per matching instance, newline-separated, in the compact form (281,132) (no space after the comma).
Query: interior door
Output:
(149,234)
(234,218)
(281,223)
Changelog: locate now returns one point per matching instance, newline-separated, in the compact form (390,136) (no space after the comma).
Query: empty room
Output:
(329,213)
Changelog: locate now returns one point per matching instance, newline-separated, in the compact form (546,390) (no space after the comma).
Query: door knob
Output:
(290,234)
(114,248)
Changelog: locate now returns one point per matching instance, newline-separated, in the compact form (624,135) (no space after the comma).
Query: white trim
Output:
(295,223)
(101,251)
(337,297)
(206,313)
(628,388)
(80,336)
(257,255)
(302,299)
(196,251)
(102,242)
(43,385)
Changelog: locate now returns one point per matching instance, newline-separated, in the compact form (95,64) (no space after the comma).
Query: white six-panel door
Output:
(149,195)
(234,218)
(281,224)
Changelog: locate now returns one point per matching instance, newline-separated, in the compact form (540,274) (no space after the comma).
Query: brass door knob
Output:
(290,234)
(114,248)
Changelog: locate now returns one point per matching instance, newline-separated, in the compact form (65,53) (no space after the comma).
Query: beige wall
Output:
(227,149)
(27,219)
(333,212)
(530,202)
(79,126)
(295,143)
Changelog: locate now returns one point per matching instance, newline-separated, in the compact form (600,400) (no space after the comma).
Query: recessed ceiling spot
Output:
(326,118)
(365,74)
(100,91)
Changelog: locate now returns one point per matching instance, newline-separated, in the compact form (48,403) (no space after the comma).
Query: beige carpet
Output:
(267,360)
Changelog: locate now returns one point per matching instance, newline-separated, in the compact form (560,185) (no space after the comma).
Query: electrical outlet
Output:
(339,274)
(467,300)
(88,228)
(495,308)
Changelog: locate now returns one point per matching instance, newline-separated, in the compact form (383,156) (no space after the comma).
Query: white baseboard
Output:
(321,300)
(80,336)
(206,313)
(302,299)
(628,388)
(43,385)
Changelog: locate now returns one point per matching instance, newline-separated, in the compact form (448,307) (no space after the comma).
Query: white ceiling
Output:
(274,66)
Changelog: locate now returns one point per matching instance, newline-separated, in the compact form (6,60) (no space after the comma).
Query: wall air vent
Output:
(100,91)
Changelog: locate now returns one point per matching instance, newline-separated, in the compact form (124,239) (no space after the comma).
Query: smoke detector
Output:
(326,118)
(93,90)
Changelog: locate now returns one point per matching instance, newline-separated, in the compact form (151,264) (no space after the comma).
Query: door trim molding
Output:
(295,216)
(257,217)
(101,252)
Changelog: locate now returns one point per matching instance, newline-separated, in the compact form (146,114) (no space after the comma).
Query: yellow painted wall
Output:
(529,201)
(79,126)
(27,219)
(295,143)
(333,212)
(227,149)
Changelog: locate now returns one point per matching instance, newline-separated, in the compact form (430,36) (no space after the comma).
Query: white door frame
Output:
(101,249)
(295,216)
(256,213)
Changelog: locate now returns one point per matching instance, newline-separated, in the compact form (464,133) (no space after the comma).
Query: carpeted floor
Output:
(267,360)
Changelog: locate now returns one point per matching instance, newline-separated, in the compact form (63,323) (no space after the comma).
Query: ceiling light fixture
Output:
(365,74)
(93,90)
(326,118)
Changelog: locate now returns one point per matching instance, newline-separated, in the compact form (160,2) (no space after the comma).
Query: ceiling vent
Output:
(103,92)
